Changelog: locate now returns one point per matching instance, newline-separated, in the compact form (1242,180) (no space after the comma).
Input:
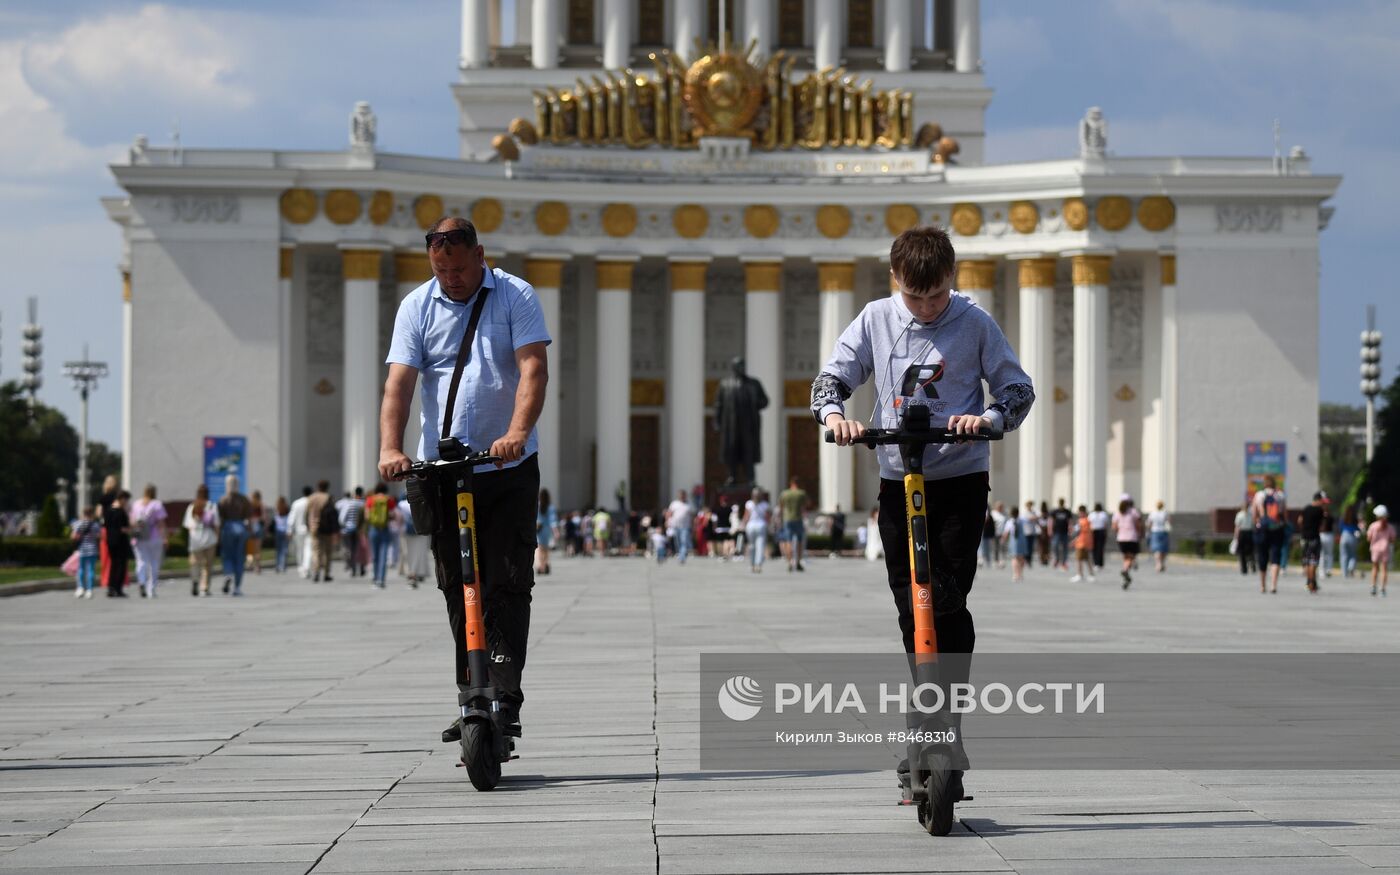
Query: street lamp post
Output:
(1370,376)
(84,375)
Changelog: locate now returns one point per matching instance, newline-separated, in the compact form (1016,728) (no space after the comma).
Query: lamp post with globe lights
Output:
(1370,376)
(84,374)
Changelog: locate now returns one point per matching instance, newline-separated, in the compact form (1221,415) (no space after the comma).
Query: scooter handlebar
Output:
(875,437)
(419,469)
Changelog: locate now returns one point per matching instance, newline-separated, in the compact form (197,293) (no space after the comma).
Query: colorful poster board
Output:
(1264,459)
(224,456)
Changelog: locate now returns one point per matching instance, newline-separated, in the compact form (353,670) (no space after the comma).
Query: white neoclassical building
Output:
(678,200)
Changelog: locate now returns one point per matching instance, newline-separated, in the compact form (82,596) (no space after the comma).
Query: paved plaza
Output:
(296,730)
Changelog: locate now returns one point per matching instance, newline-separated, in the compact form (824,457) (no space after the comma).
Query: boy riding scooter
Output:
(927,346)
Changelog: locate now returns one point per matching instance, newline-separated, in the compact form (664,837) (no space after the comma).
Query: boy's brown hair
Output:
(922,258)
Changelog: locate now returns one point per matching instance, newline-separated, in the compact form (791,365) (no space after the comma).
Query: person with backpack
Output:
(1269,510)
(378,508)
(1017,544)
(351,509)
(324,525)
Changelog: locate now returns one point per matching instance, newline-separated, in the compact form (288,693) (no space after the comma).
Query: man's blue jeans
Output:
(683,545)
(379,542)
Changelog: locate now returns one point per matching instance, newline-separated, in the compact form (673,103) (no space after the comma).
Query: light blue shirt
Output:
(428,331)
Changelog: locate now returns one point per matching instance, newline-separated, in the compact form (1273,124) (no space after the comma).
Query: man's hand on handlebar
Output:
(393,464)
(967,423)
(845,430)
(509,447)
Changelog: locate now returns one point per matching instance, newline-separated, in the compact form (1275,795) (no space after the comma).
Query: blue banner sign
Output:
(224,456)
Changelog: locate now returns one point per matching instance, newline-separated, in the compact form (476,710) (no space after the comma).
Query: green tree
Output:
(1384,474)
(49,525)
(34,452)
(1340,459)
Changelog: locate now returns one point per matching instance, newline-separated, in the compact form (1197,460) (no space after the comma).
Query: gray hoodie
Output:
(941,365)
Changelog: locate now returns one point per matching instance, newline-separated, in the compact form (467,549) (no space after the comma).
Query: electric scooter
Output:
(935,779)
(486,736)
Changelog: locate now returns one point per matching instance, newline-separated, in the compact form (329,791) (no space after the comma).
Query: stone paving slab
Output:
(295,730)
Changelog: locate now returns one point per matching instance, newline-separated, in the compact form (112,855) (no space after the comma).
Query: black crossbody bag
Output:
(424,494)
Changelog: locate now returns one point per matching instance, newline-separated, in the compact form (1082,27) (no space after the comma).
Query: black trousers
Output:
(506,503)
(116,570)
(1100,539)
(957,509)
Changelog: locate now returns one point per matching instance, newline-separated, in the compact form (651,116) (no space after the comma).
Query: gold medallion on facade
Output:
(723,92)
(427,209)
(381,207)
(1024,216)
(619,220)
(487,214)
(900,218)
(1156,213)
(552,218)
(761,221)
(966,219)
(342,206)
(690,220)
(1076,213)
(1125,393)
(298,205)
(1113,213)
(833,220)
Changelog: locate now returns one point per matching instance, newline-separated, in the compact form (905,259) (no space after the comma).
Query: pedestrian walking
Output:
(990,536)
(415,549)
(378,510)
(679,525)
(1029,525)
(998,513)
(1159,528)
(1310,530)
(202,522)
(794,504)
(1018,543)
(116,527)
(235,511)
(148,536)
(351,511)
(757,513)
(1043,529)
(1327,536)
(1269,512)
(1127,525)
(1381,535)
(546,527)
(323,525)
(281,535)
(838,532)
(297,524)
(1350,534)
(1083,547)
(1244,539)
(110,488)
(88,535)
(1060,519)
(1098,523)
(257,528)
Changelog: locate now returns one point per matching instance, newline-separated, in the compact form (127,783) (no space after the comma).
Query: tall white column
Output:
(617,34)
(284,364)
(411,270)
(758,25)
(546,274)
(967,25)
(1088,466)
(614,378)
(687,26)
(544,34)
(763,352)
(476,34)
(899,22)
(836,285)
(1037,433)
(685,384)
(127,351)
(1165,475)
(360,381)
(828,25)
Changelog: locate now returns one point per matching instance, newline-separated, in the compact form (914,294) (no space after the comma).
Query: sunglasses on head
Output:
(438,239)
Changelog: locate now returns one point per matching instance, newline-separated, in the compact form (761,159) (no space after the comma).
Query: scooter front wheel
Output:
(936,812)
(479,755)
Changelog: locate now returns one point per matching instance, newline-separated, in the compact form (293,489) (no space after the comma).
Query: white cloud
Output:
(156,52)
(36,141)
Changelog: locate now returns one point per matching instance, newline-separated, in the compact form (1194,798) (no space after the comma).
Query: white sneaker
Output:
(78,593)
(1075,579)
(87,593)
(1091,578)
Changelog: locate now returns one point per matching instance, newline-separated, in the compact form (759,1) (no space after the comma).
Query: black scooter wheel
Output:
(483,768)
(939,818)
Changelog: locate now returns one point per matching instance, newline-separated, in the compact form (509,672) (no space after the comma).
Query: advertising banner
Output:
(1264,459)
(224,456)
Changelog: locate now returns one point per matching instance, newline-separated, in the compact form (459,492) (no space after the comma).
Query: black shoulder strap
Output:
(464,352)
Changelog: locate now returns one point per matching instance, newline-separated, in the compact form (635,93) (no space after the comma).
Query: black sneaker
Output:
(901,772)
(452,733)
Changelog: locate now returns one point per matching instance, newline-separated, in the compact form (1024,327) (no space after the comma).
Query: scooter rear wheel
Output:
(478,755)
(936,814)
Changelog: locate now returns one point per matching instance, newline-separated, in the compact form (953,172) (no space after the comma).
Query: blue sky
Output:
(79,79)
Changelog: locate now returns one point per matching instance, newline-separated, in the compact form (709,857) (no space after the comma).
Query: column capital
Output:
(616,273)
(763,276)
(1168,268)
(976,274)
(411,266)
(688,275)
(284,260)
(1036,272)
(1091,270)
(836,276)
(361,261)
(545,271)
(126,286)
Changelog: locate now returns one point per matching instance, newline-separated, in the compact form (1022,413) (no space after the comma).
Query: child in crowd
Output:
(1381,535)
(1083,547)
(88,533)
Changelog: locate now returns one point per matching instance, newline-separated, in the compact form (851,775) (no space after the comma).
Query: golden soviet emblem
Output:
(723,92)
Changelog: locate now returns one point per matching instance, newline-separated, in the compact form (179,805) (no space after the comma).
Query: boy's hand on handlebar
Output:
(509,447)
(967,423)
(393,464)
(845,430)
